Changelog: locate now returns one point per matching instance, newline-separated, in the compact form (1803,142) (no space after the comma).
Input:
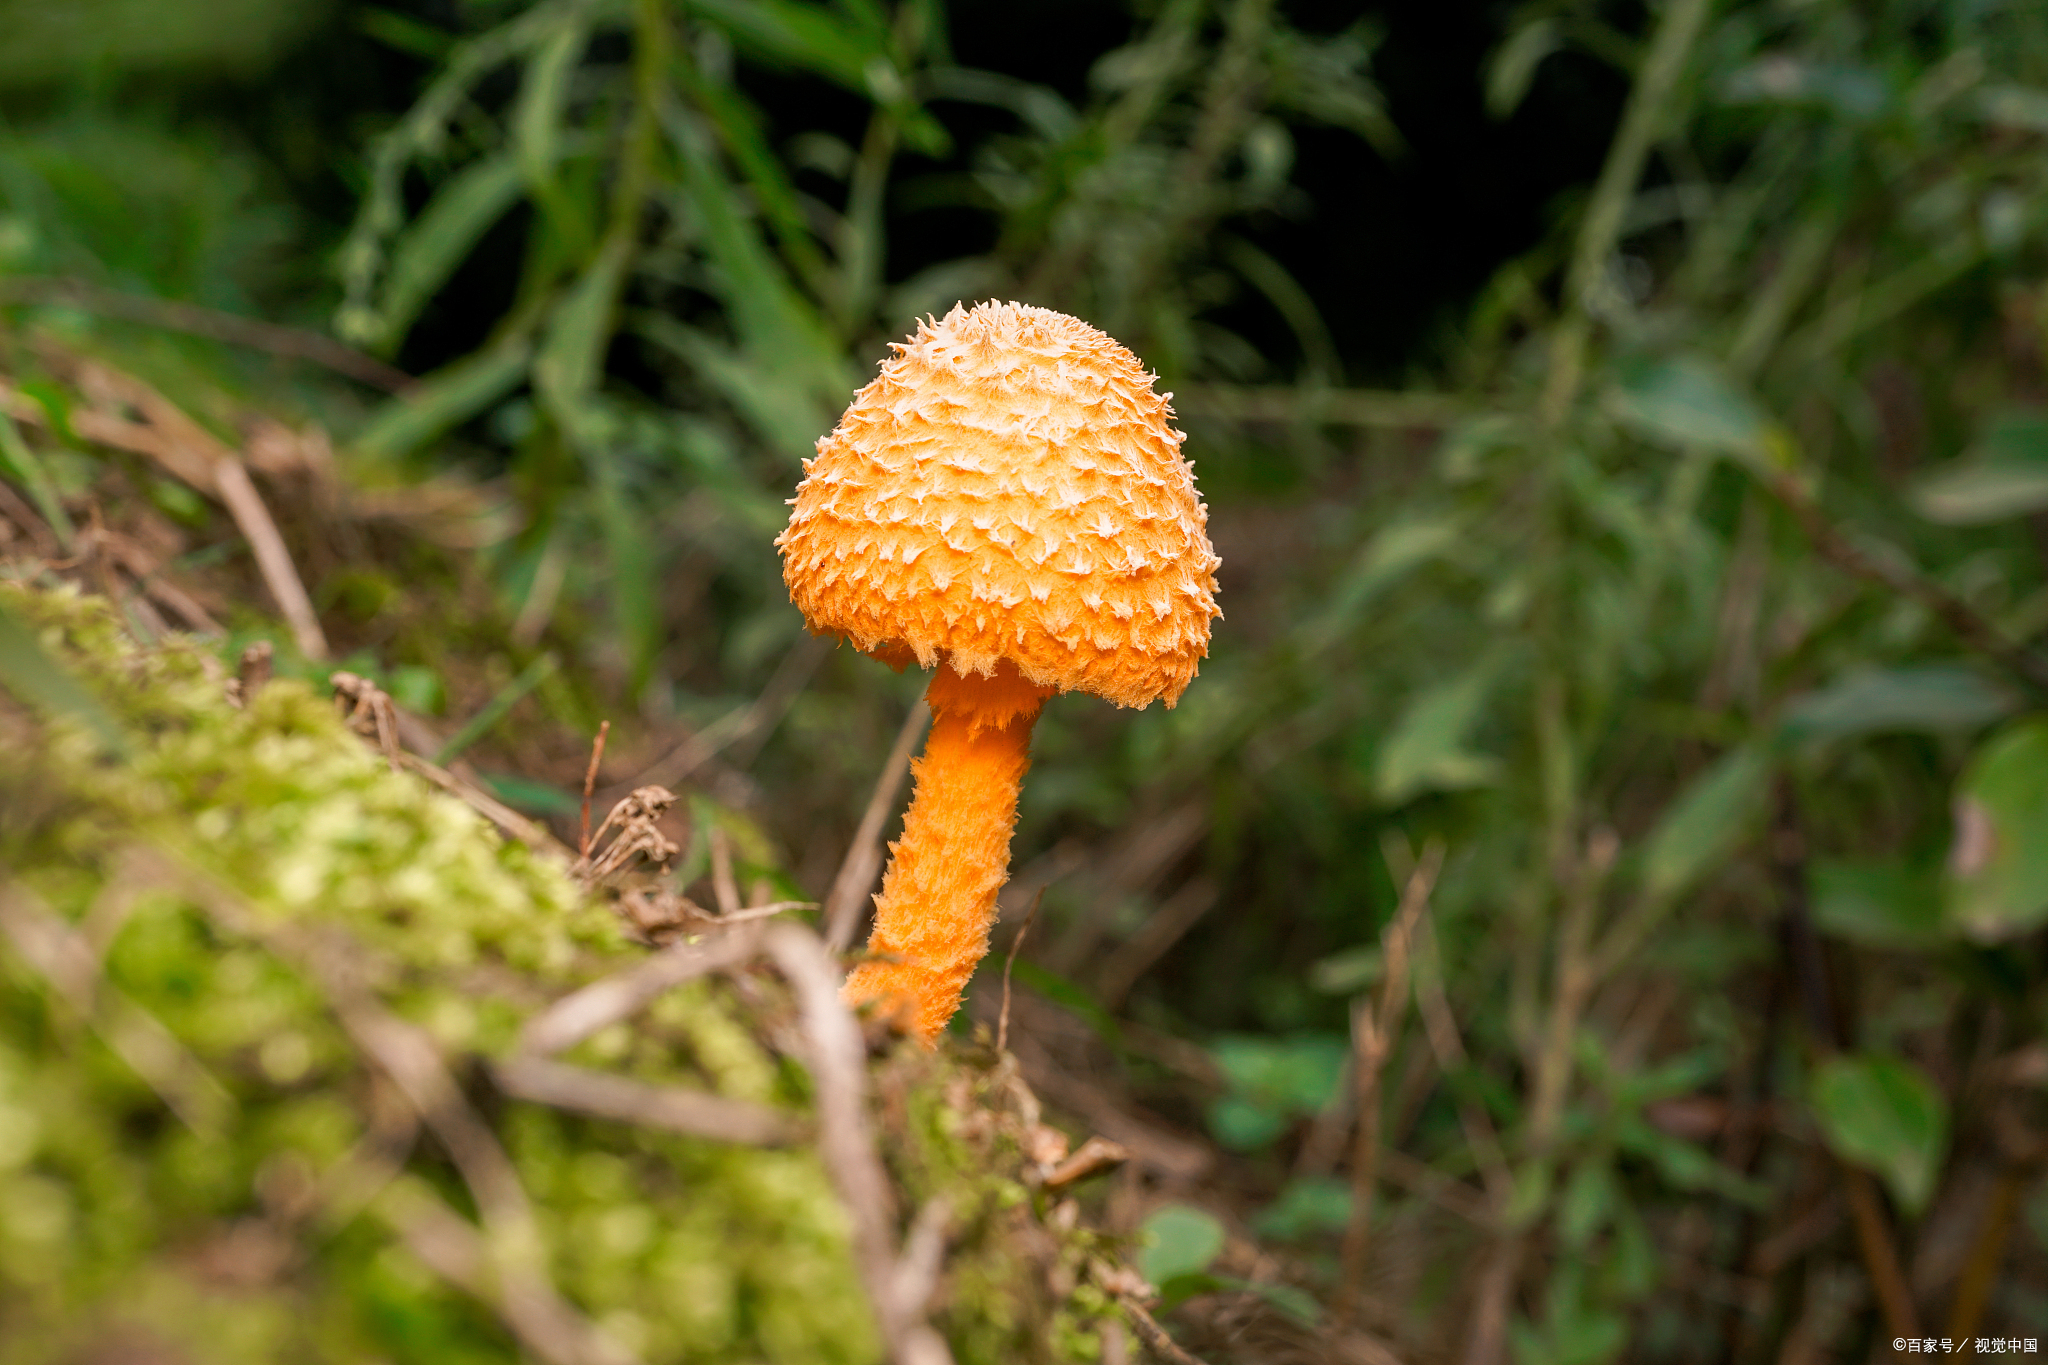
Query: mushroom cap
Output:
(1009,487)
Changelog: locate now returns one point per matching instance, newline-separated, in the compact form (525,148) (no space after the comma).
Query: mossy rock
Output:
(198,1163)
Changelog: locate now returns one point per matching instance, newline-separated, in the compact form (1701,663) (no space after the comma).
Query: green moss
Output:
(122,1223)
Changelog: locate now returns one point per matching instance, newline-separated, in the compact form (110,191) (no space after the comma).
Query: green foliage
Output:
(1998,872)
(1884,1114)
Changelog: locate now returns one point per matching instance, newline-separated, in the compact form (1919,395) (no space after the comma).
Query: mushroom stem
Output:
(938,898)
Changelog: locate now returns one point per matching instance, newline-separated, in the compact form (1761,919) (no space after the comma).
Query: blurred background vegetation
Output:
(1626,433)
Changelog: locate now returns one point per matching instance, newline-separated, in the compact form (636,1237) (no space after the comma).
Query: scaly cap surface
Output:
(1009,487)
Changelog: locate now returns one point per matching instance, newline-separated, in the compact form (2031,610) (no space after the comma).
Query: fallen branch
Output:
(846,1143)
(678,1110)
(844,902)
(1154,1336)
(605,1002)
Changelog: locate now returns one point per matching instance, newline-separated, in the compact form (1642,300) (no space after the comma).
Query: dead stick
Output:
(1154,1336)
(1880,1257)
(273,560)
(674,1108)
(846,1143)
(1374,1033)
(604,728)
(1009,961)
(864,856)
(1980,1272)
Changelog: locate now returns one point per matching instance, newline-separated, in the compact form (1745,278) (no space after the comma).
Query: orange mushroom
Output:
(1007,502)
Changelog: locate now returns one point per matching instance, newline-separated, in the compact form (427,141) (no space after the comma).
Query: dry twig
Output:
(1374,1030)
(636,822)
(1154,1336)
(1093,1157)
(604,729)
(605,1002)
(844,902)
(1009,961)
(674,1108)
(846,1144)
(367,709)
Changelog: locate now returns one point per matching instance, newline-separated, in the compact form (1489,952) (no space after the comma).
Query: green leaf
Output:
(775,324)
(1932,697)
(444,399)
(1885,1115)
(1512,68)
(1179,1240)
(537,128)
(774,403)
(460,212)
(2004,474)
(1589,1197)
(1997,882)
(1273,1081)
(33,676)
(1686,401)
(1884,903)
(534,798)
(1687,1166)
(1390,555)
(1703,826)
(1426,751)
(1307,1205)
(807,37)
(18,460)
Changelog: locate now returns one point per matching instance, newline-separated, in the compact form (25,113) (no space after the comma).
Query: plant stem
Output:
(1373,1039)
(1670,45)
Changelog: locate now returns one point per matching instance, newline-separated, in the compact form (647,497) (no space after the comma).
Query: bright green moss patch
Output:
(234,1196)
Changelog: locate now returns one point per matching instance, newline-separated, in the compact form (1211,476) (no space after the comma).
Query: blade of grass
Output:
(21,461)
(509,696)
(32,675)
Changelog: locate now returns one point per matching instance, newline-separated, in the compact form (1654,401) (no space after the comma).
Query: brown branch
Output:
(1010,961)
(513,1245)
(1154,1336)
(604,729)
(1440,1026)
(838,1064)
(1980,1272)
(1163,928)
(290,342)
(451,1247)
(1092,1157)
(198,458)
(510,821)
(1880,1257)
(843,904)
(1374,1029)
(1894,572)
(744,727)
(673,1108)
(725,887)
(605,1002)
(505,1264)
